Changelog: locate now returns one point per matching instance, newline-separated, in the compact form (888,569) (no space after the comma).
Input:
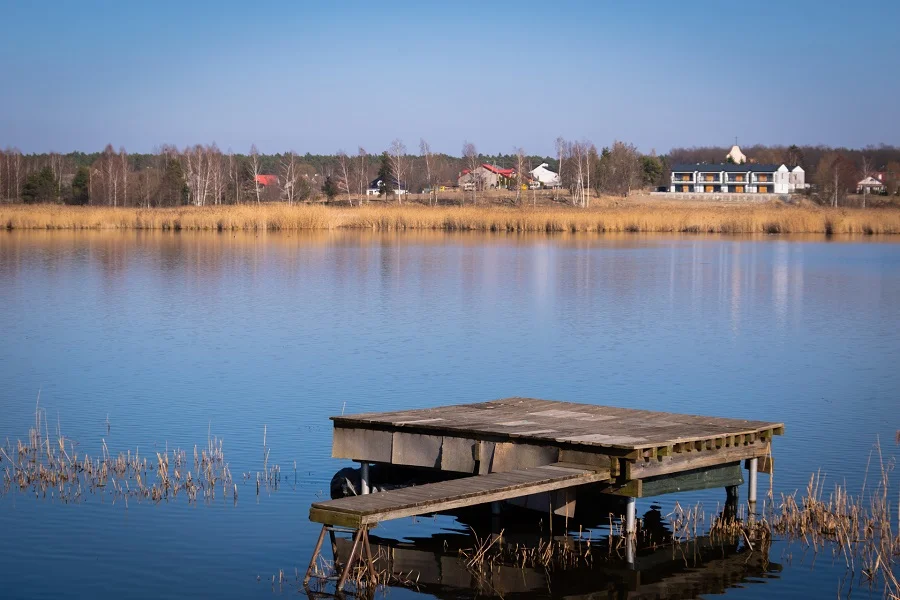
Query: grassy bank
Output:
(650,217)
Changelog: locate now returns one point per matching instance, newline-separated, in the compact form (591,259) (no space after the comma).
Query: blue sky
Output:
(323,76)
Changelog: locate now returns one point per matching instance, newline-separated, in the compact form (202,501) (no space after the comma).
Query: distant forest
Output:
(203,174)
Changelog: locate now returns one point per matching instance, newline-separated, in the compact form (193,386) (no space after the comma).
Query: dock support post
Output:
(363,478)
(630,531)
(630,517)
(752,467)
(315,556)
(357,538)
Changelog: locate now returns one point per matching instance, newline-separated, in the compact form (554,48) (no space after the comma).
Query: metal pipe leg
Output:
(315,555)
(630,530)
(752,466)
(334,550)
(630,527)
(350,560)
(364,478)
(370,563)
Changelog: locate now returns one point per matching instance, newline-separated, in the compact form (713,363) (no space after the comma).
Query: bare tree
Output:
(56,165)
(363,172)
(620,169)
(533,189)
(833,176)
(425,149)
(289,176)
(577,159)
(234,174)
(12,161)
(470,153)
(17,157)
(123,165)
(110,171)
(217,177)
(399,165)
(560,155)
(254,170)
(866,173)
(344,183)
(520,172)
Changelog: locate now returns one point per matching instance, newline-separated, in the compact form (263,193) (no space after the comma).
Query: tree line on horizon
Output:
(204,174)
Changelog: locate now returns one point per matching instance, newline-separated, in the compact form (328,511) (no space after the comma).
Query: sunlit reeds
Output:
(651,217)
(52,467)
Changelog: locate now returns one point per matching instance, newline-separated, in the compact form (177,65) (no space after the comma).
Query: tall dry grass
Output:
(650,217)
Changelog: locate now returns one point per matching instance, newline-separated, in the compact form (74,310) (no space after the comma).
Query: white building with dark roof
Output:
(736,178)
(545,176)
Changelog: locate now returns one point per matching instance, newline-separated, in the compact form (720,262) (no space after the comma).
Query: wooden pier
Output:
(536,452)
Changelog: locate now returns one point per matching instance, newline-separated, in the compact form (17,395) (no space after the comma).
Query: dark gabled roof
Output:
(376,184)
(726,167)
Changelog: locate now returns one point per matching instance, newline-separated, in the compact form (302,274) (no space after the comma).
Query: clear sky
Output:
(322,76)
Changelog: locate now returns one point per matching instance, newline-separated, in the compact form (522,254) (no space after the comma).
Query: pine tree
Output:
(40,187)
(173,190)
(81,187)
(386,175)
(330,188)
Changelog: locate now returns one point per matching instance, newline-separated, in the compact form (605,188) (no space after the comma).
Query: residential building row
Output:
(729,178)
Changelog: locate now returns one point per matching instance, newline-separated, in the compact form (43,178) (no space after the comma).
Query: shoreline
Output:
(622,217)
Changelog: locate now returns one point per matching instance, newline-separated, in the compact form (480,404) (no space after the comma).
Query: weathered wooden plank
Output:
(566,423)
(581,457)
(458,454)
(718,476)
(485,456)
(511,456)
(362,444)
(416,450)
(330,517)
(357,511)
(692,460)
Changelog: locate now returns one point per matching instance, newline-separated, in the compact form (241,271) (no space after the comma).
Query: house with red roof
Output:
(267,180)
(486,177)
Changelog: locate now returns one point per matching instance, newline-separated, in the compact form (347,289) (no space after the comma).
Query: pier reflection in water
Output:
(592,568)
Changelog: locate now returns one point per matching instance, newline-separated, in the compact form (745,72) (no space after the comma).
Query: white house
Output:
(375,186)
(788,181)
(870,184)
(545,176)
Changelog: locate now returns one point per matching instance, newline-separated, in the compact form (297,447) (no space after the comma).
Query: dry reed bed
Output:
(855,529)
(662,217)
(53,467)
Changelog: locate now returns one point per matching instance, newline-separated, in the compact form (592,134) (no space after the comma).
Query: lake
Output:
(151,341)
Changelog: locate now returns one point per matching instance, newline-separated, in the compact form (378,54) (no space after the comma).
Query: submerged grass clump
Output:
(52,467)
(858,530)
(605,216)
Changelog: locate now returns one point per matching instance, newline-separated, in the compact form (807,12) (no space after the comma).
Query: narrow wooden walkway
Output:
(364,511)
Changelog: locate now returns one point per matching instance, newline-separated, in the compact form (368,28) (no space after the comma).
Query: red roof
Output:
(498,170)
(267,180)
(494,169)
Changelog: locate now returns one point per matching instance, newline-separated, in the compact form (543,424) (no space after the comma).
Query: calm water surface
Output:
(169,336)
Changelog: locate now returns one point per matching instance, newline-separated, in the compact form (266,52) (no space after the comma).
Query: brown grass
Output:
(606,216)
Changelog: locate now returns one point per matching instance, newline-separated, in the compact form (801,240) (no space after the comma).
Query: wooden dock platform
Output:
(526,447)
(517,433)
(367,510)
